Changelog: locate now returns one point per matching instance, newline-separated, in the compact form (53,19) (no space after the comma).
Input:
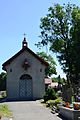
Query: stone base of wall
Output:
(18,99)
(69,113)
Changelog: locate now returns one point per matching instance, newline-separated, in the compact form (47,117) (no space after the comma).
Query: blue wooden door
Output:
(25,89)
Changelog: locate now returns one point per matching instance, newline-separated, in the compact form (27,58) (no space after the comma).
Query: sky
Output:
(23,16)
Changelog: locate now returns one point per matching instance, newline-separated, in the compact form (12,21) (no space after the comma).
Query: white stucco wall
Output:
(17,70)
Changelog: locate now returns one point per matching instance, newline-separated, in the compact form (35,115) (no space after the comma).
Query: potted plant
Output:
(67,104)
(76,106)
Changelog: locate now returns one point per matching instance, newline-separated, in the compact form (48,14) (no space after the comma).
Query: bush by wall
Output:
(49,94)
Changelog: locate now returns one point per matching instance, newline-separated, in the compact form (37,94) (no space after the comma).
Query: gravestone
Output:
(67,93)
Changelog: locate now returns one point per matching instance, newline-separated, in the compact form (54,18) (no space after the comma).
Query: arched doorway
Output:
(25,87)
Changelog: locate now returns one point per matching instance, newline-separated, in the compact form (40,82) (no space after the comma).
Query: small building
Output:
(25,75)
(48,82)
(54,85)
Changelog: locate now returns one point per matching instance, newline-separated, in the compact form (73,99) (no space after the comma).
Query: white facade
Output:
(25,83)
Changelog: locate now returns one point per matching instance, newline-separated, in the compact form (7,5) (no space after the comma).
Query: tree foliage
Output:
(51,69)
(49,94)
(60,28)
(58,79)
(3,81)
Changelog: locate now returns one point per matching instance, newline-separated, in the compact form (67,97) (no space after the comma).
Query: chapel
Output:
(25,75)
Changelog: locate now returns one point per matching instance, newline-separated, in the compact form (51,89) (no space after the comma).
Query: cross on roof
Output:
(24,34)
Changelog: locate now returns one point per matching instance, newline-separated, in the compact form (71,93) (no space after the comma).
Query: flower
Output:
(76,106)
(67,104)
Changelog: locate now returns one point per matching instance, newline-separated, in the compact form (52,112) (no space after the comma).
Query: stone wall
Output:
(68,113)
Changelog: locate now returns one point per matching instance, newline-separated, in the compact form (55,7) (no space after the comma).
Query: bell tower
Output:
(24,43)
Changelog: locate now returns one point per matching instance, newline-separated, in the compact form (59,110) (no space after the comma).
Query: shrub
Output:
(54,102)
(4,111)
(49,95)
(3,94)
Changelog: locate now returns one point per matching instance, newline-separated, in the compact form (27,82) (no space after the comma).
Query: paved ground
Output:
(31,110)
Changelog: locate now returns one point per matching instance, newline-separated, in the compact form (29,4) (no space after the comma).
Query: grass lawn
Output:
(4,111)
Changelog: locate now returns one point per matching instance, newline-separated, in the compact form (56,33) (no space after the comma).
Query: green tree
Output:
(50,94)
(60,28)
(59,80)
(51,69)
(3,81)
